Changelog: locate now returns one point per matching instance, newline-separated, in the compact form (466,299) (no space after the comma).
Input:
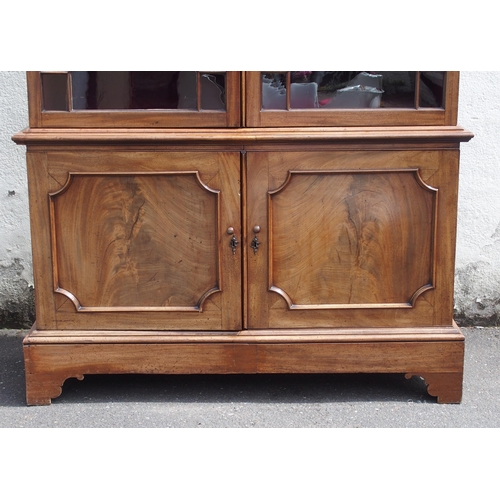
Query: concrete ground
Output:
(258,401)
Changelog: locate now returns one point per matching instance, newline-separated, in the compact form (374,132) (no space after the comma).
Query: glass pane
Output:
(113,90)
(431,89)
(303,90)
(273,90)
(399,89)
(54,91)
(154,90)
(186,87)
(339,89)
(365,89)
(125,89)
(213,91)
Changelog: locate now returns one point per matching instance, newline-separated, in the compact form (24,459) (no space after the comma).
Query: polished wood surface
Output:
(341,239)
(102,225)
(413,137)
(49,365)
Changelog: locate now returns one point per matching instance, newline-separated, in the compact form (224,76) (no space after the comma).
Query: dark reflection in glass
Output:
(115,90)
(154,90)
(186,88)
(399,89)
(55,91)
(339,89)
(431,89)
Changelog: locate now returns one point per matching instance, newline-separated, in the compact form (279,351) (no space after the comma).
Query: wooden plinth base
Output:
(436,354)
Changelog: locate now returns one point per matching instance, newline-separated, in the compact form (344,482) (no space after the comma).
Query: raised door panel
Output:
(139,240)
(348,239)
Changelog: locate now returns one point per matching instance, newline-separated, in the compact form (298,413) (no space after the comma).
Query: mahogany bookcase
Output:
(243,222)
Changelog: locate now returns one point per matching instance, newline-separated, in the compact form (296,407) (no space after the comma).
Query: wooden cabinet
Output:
(240,242)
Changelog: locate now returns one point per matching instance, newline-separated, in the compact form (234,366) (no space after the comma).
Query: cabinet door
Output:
(138,240)
(350,98)
(133,99)
(351,239)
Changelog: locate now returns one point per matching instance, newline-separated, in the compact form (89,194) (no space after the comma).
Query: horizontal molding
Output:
(344,335)
(32,136)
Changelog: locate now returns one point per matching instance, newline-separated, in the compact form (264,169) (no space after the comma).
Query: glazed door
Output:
(134,99)
(350,238)
(139,240)
(350,98)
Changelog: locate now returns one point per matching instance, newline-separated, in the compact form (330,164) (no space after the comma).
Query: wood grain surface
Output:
(351,239)
(136,241)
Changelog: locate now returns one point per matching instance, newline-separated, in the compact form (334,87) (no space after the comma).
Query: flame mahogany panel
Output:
(124,242)
(351,239)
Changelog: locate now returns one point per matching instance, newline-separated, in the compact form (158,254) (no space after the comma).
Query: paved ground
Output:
(278,401)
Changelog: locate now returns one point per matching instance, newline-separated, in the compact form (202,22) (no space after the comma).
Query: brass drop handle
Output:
(255,242)
(233,243)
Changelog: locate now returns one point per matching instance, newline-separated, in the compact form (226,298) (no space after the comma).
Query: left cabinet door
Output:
(133,99)
(136,240)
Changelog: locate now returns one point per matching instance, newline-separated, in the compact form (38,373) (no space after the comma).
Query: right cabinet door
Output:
(351,238)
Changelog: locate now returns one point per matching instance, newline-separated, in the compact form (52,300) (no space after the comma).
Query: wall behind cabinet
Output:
(477,275)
